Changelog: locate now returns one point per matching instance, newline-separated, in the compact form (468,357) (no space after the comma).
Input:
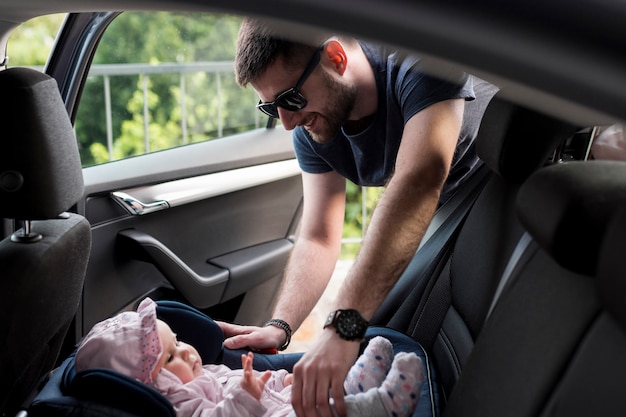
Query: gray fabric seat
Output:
(554,344)
(453,291)
(42,265)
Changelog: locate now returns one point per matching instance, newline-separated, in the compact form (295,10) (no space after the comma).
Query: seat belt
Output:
(426,326)
(519,250)
(427,262)
(428,323)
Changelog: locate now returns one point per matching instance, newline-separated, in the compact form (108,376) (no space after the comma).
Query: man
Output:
(368,114)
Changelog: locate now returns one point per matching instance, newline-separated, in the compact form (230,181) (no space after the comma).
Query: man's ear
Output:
(336,55)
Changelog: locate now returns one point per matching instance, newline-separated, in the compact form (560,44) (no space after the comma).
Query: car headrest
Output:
(193,327)
(611,277)
(40,168)
(566,209)
(514,141)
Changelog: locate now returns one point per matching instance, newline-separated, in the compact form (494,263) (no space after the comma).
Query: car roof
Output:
(559,57)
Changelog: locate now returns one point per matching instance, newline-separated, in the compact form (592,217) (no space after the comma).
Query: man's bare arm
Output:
(317,247)
(310,265)
(406,208)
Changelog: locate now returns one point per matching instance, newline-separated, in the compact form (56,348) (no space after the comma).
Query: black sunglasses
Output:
(291,99)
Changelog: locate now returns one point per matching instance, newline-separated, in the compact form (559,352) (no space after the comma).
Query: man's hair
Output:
(258,47)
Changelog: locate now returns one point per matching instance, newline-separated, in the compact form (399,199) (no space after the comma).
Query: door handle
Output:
(137,207)
(203,285)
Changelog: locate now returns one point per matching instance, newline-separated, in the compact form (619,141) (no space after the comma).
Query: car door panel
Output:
(217,235)
(202,284)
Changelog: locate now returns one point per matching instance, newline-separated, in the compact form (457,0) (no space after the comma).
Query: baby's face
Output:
(179,358)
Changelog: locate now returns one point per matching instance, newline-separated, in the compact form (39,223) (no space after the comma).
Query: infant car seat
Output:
(103,392)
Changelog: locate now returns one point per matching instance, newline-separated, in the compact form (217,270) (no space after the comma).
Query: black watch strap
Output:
(281,324)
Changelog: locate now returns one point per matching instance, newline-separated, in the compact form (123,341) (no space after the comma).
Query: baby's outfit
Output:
(378,384)
(219,393)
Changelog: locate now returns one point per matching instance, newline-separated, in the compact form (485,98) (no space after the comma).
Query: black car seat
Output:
(554,344)
(444,295)
(103,392)
(43,263)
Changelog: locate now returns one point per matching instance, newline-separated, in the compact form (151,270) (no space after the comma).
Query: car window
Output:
(158,80)
(30,43)
(161,80)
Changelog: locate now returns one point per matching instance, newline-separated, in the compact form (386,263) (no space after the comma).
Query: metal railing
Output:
(106,71)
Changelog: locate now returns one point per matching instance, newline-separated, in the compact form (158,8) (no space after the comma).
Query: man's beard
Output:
(340,104)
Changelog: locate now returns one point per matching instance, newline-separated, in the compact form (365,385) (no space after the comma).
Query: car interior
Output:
(515,295)
(519,191)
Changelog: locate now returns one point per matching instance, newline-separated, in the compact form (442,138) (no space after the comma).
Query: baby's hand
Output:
(253,385)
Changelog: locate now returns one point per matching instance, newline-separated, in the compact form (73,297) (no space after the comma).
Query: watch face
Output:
(350,325)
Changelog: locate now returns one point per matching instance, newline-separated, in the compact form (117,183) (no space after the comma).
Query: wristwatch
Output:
(350,325)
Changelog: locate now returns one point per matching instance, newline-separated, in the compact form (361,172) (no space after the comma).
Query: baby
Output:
(140,346)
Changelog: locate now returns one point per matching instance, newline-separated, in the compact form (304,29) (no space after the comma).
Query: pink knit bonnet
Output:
(128,343)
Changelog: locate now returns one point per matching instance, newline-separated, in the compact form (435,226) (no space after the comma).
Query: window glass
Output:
(30,43)
(161,80)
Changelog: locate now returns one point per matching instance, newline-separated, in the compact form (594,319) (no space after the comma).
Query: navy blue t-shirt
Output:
(369,158)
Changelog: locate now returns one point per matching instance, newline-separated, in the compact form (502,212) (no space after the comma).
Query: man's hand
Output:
(255,338)
(320,374)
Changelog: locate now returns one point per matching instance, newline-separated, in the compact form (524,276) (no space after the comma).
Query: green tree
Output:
(164,38)
(30,45)
(354,223)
